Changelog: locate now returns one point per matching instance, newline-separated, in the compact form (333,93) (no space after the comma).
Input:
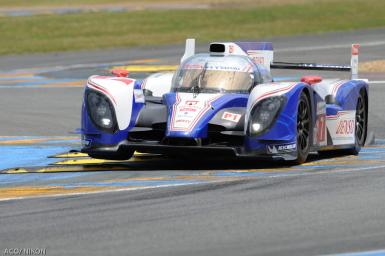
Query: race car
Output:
(225,103)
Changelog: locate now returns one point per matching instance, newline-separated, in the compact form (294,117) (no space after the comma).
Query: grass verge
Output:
(48,33)
(64,3)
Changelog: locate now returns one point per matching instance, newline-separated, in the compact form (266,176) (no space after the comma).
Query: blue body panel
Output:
(348,93)
(200,129)
(346,97)
(283,130)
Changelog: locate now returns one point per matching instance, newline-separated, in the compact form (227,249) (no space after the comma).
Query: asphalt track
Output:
(158,206)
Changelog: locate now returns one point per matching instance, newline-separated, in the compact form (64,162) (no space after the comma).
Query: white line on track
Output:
(376,82)
(98,192)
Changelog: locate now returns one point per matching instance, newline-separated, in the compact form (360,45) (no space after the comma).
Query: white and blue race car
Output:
(225,103)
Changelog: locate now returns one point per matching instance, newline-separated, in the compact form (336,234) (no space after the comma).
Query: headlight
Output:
(264,114)
(100,111)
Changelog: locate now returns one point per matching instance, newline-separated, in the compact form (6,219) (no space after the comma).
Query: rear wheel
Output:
(303,128)
(361,128)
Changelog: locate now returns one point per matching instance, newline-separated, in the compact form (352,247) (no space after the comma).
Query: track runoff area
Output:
(53,166)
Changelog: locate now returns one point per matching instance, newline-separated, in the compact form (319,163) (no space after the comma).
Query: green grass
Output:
(53,3)
(29,3)
(107,30)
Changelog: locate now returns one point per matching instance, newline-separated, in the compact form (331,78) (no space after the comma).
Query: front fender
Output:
(127,100)
(284,128)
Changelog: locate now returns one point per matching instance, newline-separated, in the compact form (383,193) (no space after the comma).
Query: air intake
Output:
(217,48)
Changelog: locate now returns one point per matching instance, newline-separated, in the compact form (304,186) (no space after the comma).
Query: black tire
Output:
(120,156)
(303,129)
(361,129)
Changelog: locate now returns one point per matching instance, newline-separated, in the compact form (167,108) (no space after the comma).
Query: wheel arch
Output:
(310,96)
(306,92)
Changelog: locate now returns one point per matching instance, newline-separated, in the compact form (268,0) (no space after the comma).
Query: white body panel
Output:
(342,127)
(188,110)
(189,49)
(120,92)
(158,83)
(328,87)
(354,60)
(263,57)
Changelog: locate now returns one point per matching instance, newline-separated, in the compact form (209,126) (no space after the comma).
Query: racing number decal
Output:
(345,127)
(321,128)
(320,125)
(342,127)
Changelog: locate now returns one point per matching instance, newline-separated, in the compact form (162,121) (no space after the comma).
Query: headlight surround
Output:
(101,111)
(264,113)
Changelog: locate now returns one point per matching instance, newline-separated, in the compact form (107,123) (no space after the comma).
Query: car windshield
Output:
(205,73)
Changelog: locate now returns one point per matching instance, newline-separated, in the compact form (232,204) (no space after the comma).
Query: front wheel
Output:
(303,129)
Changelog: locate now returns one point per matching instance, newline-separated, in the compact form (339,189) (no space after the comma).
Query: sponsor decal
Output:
(192,102)
(342,127)
(85,142)
(186,109)
(183,121)
(256,56)
(282,148)
(231,117)
(139,96)
(187,112)
(221,67)
(212,66)
(192,66)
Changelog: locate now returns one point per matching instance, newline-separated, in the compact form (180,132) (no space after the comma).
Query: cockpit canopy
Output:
(204,73)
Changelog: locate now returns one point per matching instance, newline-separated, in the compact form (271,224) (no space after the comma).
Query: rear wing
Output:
(262,53)
(353,68)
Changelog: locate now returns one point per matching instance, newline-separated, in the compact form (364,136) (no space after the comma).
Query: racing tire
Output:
(361,129)
(120,156)
(303,128)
